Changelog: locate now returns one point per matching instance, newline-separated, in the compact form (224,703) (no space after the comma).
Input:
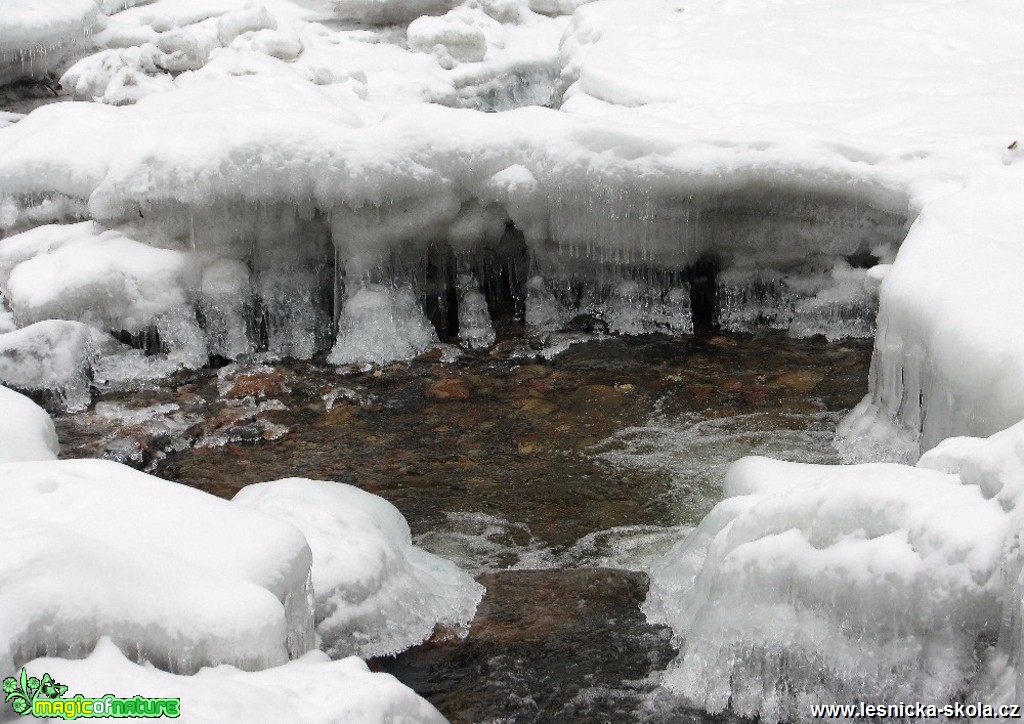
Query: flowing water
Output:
(553,478)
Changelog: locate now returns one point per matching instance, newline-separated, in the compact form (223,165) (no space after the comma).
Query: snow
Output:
(104,279)
(54,357)
(288,167)
(376,594)
(26,431)
(309,689)
(34,35)
(182,595)
(821,584)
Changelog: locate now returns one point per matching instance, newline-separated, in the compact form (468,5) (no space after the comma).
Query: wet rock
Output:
(258,384)
(800,380)
(449,389)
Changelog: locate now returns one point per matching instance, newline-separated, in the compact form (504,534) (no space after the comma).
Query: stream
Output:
(552,469)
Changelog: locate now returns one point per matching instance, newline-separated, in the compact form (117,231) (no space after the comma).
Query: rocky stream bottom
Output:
(553,478)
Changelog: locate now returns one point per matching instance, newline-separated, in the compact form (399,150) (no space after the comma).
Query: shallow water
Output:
(554,479)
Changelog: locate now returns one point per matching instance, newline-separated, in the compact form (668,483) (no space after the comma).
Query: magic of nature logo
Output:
(45,698)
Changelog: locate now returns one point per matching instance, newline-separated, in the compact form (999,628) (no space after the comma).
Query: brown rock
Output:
(449,389)
(800,380)
(258,384)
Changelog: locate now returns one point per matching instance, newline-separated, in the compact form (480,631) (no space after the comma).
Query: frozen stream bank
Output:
(527,472)
(312,180)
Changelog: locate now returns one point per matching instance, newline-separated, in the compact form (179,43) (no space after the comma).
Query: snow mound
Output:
(823,584)
(104,279)
(172,575)
(26,431)
(309,689)
(376,594)
(52,356)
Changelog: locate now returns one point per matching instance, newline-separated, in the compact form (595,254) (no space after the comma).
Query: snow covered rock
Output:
(376,593)
(26,431)
(172,575)
(945,361)
(454,34)
(105,279)
(310,689)
(53,356)
(824,584)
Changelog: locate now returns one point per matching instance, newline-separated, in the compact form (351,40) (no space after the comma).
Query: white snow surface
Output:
(33,34)
(309,689)
(818,584)
(376,593)
(26,431)
(158,567)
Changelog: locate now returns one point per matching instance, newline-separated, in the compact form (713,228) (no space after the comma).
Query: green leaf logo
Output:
(21,692)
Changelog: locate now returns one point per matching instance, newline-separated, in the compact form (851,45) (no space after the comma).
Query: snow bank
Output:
(946,361)
(310,689)
(823,584)
(98,549)
(26,431)
(34,36)
(376,594)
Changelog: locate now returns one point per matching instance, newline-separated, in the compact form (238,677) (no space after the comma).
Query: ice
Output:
(104,279)
(26,431)
(158,569)
(227,304)
(475,328)
(943,362)
(388,12)
(52,357)
(380,324)
(311,689)
(34,36)
(376,594)
(820,584)
(837,303)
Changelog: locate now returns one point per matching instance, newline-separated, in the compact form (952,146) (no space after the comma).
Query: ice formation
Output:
(376,594)
(158,570)
(52,357)
(34,36)
(310,689)
(819,584)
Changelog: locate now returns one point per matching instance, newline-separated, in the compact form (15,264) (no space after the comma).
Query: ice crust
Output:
(376,594)
(35,36)
(309,689)
(52,357)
